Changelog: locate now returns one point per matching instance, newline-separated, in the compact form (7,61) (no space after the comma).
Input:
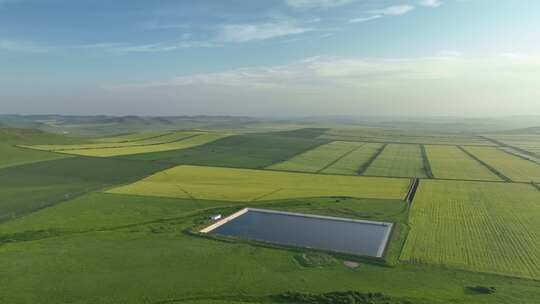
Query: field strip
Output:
(365,166)
(340,158)
(500,143)
(315,160)
(133,140)
(454,163)
(425,162)
(401,160)
(185,143)
(115,145)
(490,168)
(515,168)
(246,185)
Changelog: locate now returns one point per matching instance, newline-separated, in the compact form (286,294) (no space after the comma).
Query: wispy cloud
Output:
(255,32)
(430,3)
(320,71)
(394,10)
(317,3)
(122,48)
(22,46)
(365,19)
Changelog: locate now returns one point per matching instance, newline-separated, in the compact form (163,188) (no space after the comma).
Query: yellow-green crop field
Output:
(184,140)
(352,162)
(452,163)
(317,159)
(244,185)
(478,226)
(398,160)
(515,168)
(161,139)
(130,137)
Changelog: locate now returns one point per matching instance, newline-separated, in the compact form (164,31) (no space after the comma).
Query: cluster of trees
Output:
(345,297)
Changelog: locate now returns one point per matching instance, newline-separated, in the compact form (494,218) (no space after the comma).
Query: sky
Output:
(270,57)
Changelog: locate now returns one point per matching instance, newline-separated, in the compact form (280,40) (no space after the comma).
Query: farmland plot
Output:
(530,143)
(515,168)
(189,142)
(317,159)
(398,160)
(249,185)
(161,139)
(352,162)
(479,226)
(239,151)
(130,137)
(394,136)
(452,163)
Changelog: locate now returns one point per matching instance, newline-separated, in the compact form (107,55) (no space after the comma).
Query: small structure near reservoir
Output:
(358,237)
(216,217)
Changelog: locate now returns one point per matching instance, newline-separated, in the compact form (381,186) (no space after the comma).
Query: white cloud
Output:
(395,10)
(254,32)
(430,3)
(365,19)
(21,46)
(317,3)
(436,85)
(121,48)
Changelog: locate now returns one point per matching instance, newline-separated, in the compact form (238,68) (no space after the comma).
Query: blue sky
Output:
(272,57)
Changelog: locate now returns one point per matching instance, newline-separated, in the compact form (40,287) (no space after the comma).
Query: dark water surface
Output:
(347,236)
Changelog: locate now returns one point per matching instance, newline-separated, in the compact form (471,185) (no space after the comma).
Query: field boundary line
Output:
(266,194)
(536,185)
(312,147)
(340,158)
(370,161)
(490,168)
(517,155)
(415,183)
(425,161)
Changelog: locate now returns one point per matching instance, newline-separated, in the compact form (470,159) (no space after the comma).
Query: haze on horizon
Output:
(265,58)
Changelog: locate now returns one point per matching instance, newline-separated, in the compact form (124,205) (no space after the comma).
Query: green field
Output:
(515,168)
(242,151)
(529,143)
(31,187)
(117,229)
(399,136)
(243,185)
(488,227)
(398,160)
(351,163)
(452,163)
(318,159)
